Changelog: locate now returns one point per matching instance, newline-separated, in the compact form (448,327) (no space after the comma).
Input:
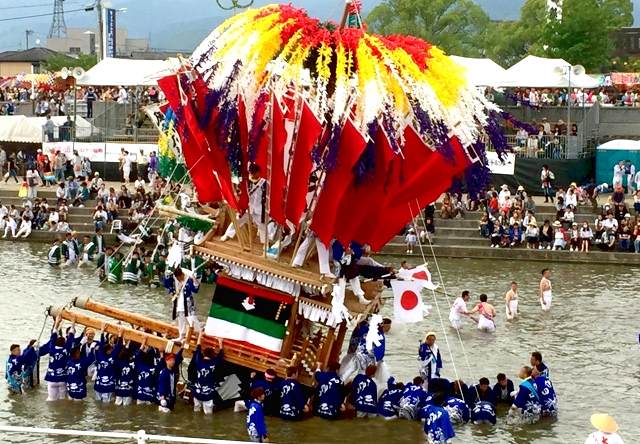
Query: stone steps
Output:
(50,236)
(480,252)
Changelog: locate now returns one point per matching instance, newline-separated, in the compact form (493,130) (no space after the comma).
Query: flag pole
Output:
(265,208)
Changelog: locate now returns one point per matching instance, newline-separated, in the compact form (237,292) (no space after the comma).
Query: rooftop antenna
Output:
(58,26)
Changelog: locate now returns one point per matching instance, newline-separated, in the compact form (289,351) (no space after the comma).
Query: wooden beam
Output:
(336,347)
(290,334)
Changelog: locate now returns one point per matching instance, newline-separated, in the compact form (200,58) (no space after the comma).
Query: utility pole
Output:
(27,33)
(100,30)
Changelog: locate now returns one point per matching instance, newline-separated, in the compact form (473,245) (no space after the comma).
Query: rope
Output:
(435,299)
(444,290)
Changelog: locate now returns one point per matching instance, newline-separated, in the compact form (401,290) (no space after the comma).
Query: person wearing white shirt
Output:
(459,309)
(571,198)
(618,173)
(607,429)
(126,167)
(630,172)
(610,222)
(25,228)
(502,196)
(9,226)
(123,96)
(53,220)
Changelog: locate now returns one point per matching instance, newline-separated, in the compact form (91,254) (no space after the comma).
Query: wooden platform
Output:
(232,253)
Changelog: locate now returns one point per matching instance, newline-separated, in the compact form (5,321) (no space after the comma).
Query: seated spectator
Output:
(619,212)
(571,198)
(496,235)
(529,218)
(546,235)
(485,226)
(530,204)
(503,195)
(112,210)
(63,210)
(493,206)
(515,218)
(585,237)
(60,192)
(100,217)
(560,240)
(608,240)
(82,197)
(618,195)
(506,205)
(515,235)
(636,237)
(574,237)
(96,183)
(569,216)
(447,210)
(610,222)
(598,227)
(561,194)
(624,237)
(54,218)
(533,240)
(560,208)
(636,201)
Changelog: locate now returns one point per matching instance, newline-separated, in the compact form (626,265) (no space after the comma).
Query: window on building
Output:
(74,50)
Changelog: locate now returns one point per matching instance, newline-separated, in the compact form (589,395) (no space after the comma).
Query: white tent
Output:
(126,72)
(538,72)
(481,72)
(29,129)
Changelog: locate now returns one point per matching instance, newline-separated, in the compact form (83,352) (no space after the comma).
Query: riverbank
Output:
(460,238)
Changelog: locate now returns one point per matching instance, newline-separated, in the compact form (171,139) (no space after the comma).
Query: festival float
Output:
(297,136)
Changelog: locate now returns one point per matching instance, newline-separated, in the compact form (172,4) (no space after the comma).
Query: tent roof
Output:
(126,72)
(481,72)
(621,144)
(29,129)
(538,72)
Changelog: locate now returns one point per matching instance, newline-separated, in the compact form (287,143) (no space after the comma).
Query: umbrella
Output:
(379,125)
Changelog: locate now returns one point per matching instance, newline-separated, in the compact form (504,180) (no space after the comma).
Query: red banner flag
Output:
(198,164)
(435,178)
(277,178)
(362,200)
(309,130)
(326,216)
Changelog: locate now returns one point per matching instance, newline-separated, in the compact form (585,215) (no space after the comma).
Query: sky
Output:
(174,24)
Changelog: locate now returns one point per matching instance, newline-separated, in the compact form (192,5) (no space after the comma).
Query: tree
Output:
(457,26)
(57,62)
(584,33)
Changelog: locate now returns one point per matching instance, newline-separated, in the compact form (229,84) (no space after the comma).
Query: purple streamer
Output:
(530,129)
(366,164)
(387,124)
(258,128)
(496,135)
(437,131)
(333,147)
(477,176)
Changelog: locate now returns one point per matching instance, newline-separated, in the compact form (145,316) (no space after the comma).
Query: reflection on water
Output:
(589,340)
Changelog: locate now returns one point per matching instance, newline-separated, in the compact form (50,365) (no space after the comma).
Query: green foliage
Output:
(194,223)
(57,62)
(457,26)
(460,27)
(584,34)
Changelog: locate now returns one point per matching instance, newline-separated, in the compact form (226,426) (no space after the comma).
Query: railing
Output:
(546,147)
(140,437)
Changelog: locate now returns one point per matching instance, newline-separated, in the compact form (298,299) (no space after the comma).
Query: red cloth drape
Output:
(309,131)
(337,181)
(198,163)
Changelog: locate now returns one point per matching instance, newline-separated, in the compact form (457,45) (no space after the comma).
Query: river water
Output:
(589,340)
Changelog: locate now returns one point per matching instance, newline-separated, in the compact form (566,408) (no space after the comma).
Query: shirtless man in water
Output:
(511,301)
(545,290)
(487,314)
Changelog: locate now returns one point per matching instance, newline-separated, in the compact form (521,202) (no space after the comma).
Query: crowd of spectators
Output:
(55,102)
(510,221)
(540,97)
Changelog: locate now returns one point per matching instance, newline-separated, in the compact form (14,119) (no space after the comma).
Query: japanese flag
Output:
(418,274)
(407,301)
